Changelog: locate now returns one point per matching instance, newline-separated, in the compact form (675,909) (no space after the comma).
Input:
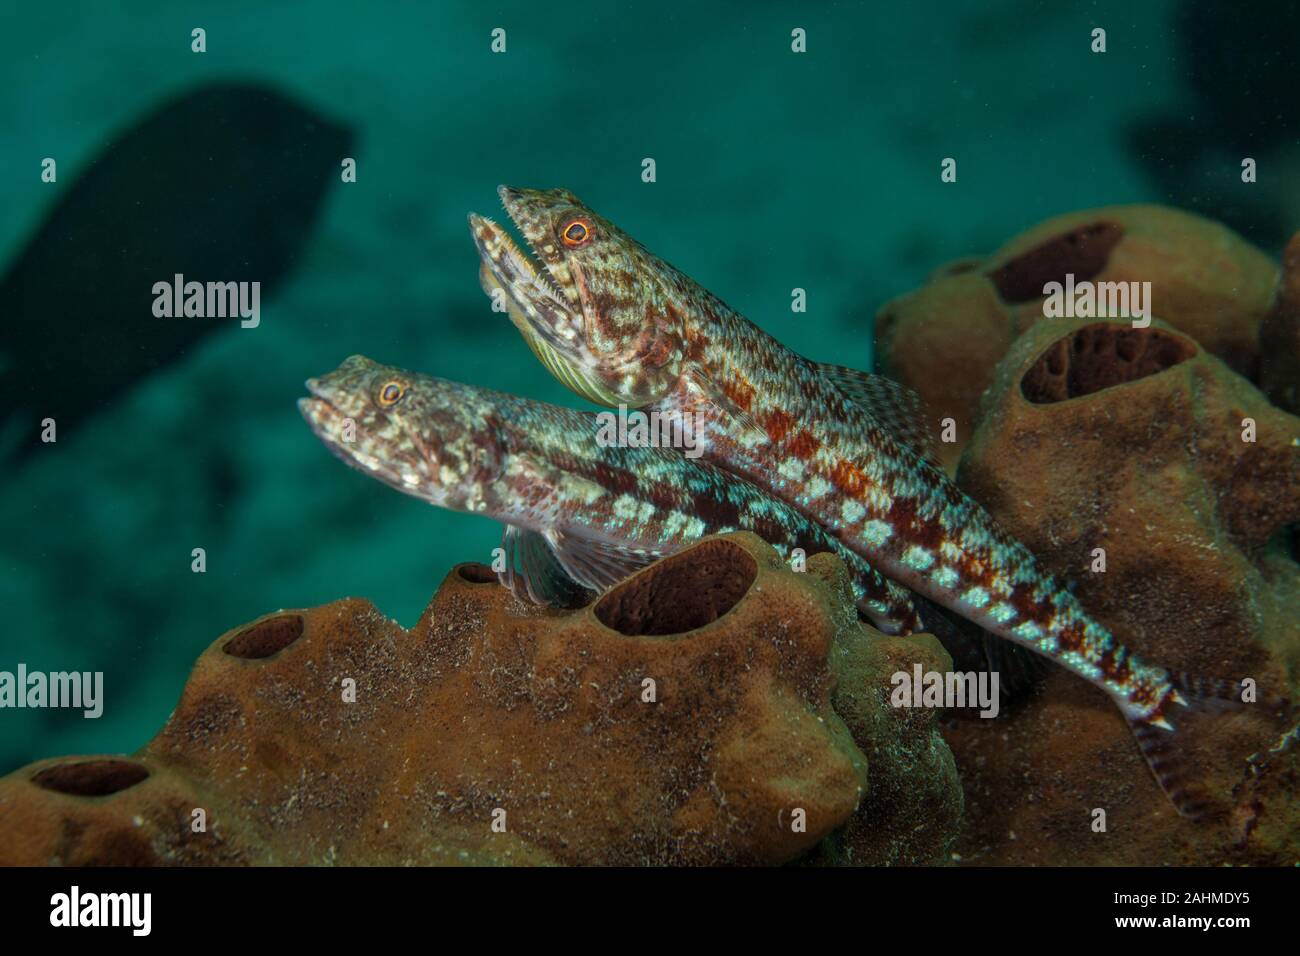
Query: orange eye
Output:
(391,393)
(575,233)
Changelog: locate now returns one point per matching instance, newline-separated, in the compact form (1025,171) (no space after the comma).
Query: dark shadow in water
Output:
(1239,67)
(222,184)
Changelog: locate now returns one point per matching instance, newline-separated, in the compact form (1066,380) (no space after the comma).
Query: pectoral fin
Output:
(597,563)
(534,573)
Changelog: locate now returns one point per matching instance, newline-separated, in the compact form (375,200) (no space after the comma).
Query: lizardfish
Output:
(619,325)
(576,511)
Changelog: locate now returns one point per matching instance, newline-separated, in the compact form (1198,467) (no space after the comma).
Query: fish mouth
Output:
(324,419)
(542,262)
(517,267)
(526,276)
(321,414)
(327,423)
(550,318)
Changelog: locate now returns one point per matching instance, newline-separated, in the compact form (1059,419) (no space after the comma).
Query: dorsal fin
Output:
(894,406)
(534,573)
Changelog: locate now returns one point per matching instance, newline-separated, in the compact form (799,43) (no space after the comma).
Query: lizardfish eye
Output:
(576,233)
(391,394)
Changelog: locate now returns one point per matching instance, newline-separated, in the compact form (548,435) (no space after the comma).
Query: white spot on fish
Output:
(876,533)
(588,492)
(791,469)
(918,558)
(1001,613)
(946,577)
(674,523)
(817,487)
(1028,631)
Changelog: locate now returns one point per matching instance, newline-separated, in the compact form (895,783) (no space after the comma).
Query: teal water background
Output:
(774,171)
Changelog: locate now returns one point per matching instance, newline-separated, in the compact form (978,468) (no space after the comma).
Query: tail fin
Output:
(1161,751)
(1163,748)
(1207,693)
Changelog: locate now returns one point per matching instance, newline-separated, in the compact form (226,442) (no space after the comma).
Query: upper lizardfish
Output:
(576,511)
(619,325)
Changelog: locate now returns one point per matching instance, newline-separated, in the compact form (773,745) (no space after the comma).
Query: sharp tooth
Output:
(539,269)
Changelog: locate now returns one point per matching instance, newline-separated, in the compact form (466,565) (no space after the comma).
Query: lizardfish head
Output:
(592,303)
(430,438)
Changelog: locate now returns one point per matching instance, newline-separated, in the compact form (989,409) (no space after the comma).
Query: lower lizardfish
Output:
(577,511)
(620,326)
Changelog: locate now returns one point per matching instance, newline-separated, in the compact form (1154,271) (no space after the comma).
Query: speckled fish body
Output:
(601,511)
(841,446)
